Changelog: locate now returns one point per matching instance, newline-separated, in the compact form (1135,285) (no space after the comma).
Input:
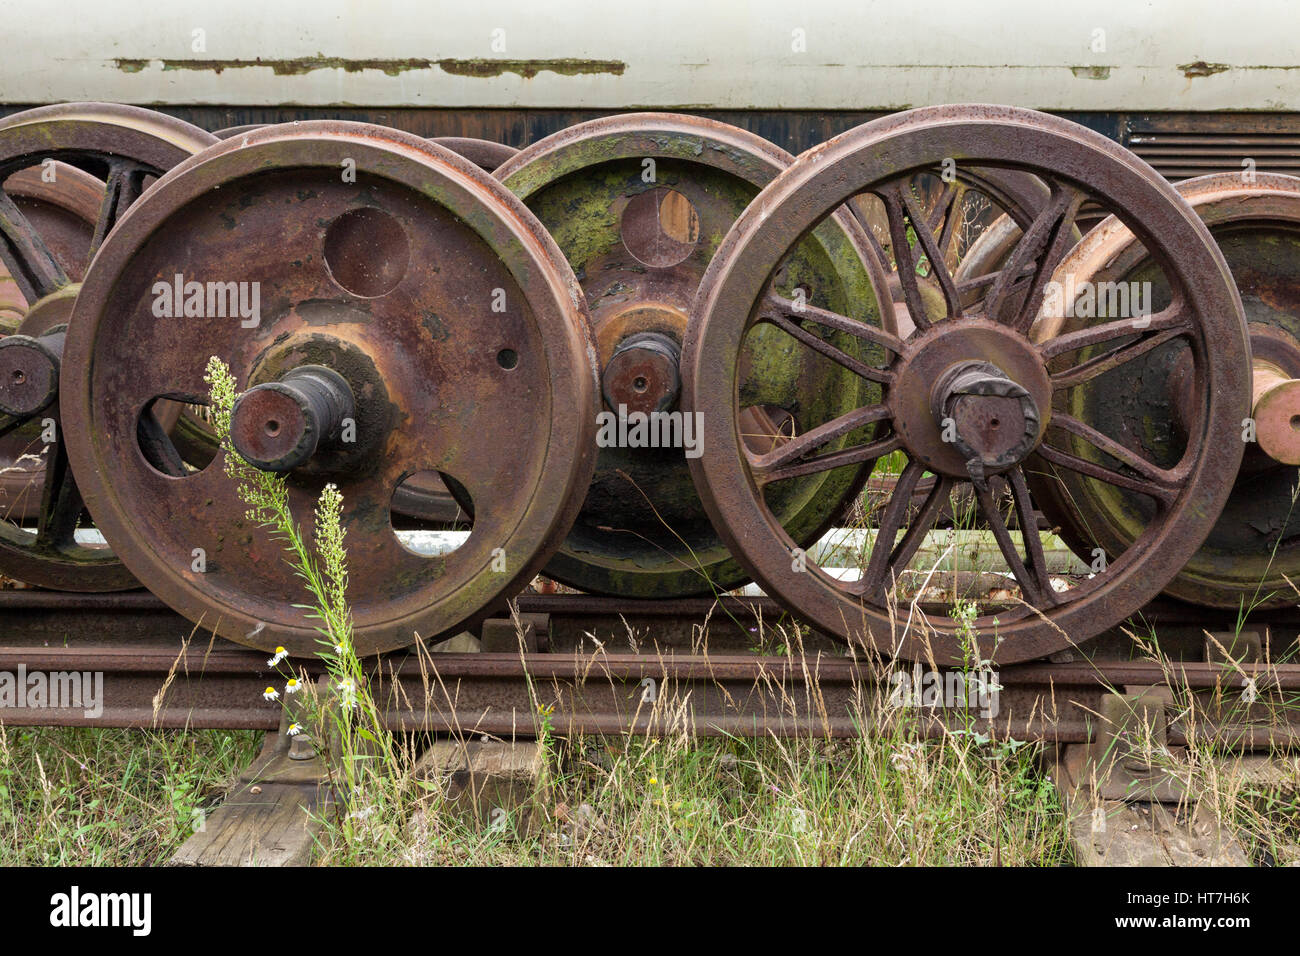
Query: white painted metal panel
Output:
(764,54)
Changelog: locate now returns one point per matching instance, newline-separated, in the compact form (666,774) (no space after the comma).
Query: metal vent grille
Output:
(1178,155)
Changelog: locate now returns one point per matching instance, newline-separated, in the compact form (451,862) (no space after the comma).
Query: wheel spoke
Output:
(1176,316)
(61,503)
(889,560)
(1100,364)
(1126,456)
(1027,519)
(856,455)
(801,445)
(1042,246)
(1034,586)
(1163,493)
(864,220)
(122,188)
(833,320)
(902,209)
(25,254)
(781,313)
(967,286)
(947,211)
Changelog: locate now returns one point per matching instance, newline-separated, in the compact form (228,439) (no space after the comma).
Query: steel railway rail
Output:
(160,672)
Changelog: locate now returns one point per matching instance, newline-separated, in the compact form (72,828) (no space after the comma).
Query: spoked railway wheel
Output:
(45,257)
(414,317)
(639,203)
(1152,399)
(60,204)
(971,395)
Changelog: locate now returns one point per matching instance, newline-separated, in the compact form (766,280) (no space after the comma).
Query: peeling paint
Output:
(1091,72)
(292,67)
(1201,68)
(530,68)
(308,64)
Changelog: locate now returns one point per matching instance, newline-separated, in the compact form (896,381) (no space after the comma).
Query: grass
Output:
(103,797)
(91,797)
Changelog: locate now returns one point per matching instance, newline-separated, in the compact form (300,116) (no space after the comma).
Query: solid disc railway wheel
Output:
(127,147)
(417,300)
(423,497)
(638,203)
(972,395)
(1254,547)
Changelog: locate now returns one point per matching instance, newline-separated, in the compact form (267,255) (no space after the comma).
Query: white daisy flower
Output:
(270,694)
(295,730)
(280,654)
(293,686)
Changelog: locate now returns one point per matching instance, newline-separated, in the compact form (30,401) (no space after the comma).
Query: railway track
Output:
(135,642)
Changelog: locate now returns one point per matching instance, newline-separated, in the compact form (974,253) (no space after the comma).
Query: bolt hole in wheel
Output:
(988,352)
(660,227)
(508,359)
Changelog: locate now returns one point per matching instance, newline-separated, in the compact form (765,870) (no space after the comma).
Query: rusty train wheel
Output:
(1253,548)
(61,206)
(377,298)
(638,203)
(423,501)
(975,377)
(128,146)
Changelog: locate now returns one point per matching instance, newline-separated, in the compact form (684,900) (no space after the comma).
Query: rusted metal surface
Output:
(61,204)
(128,146)
(424,497)
(881,157)
(1253,548)
(638,203)
(486,154)
(136,644)
(503,402)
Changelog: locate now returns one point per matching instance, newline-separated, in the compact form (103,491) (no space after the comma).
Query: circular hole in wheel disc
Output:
(367,252)
(660,227)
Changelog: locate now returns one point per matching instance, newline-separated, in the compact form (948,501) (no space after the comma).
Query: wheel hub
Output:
(970,400)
